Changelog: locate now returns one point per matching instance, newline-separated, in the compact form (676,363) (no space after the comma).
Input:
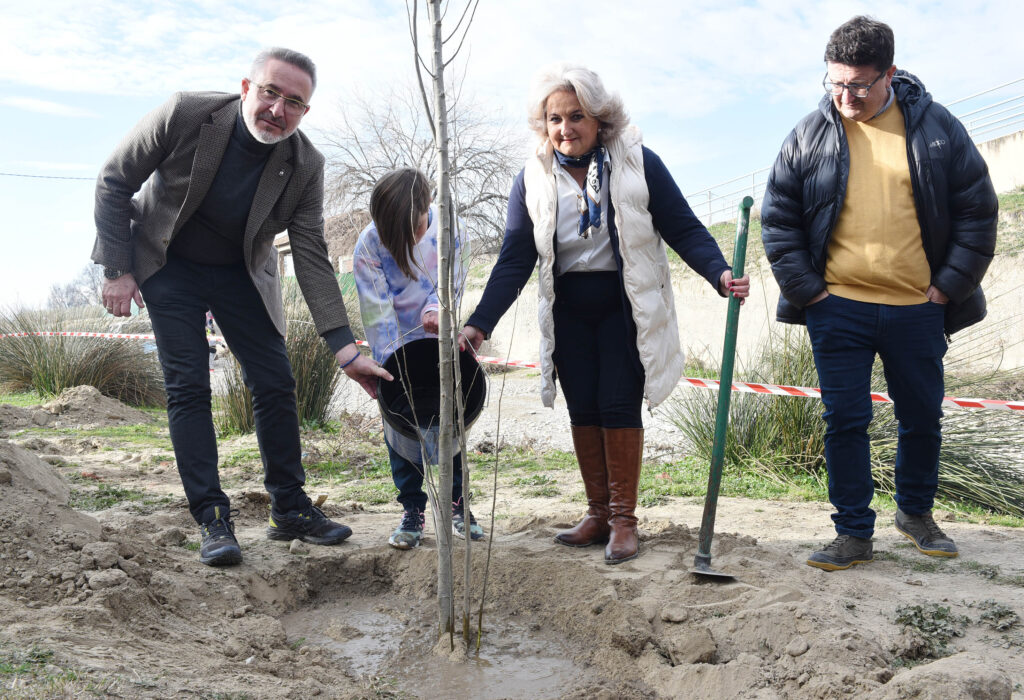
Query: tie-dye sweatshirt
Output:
(392,305)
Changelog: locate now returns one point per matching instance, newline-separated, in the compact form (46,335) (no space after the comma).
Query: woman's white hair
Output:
(597,102)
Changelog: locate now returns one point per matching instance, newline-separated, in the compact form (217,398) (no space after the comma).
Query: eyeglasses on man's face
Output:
(270,96)
(858,90)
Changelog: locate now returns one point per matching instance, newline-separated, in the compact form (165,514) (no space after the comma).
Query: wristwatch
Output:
(112,274)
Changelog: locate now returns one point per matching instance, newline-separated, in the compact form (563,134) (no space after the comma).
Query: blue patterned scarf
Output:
(590,203)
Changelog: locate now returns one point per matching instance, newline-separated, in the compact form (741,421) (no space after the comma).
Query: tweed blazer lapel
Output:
(275,177)
(210,148)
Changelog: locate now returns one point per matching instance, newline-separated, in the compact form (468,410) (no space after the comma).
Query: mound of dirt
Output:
(78,407)
(84,406)
(40,536)
(122,600)
(18,418)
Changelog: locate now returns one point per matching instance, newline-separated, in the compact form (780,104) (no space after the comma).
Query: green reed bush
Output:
(127,370)
(233,403)
(781,437)
(314,366)
(775,436)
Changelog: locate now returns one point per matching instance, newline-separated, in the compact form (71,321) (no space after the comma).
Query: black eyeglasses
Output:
(270,96)
(856,89)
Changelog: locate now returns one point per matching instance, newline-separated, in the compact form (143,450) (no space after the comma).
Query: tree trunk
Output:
(442,508)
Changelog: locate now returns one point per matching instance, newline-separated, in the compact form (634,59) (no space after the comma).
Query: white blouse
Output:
(574,253)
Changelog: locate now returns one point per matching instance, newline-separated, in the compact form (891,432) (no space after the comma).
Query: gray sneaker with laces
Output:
(459,523)
(842,553)
(925,534)
(409,532)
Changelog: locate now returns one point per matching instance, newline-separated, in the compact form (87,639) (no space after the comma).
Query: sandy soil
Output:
(120,598)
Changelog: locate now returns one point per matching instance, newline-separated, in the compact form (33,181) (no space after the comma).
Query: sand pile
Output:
(78,407)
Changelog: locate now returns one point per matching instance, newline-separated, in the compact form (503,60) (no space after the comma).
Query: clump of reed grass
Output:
(124,369)
(775,436)
(780,437)
(314,366)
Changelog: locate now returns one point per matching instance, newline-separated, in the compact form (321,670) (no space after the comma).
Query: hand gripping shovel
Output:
(702,562)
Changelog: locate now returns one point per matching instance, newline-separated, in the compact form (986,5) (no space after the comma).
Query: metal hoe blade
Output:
(702,562)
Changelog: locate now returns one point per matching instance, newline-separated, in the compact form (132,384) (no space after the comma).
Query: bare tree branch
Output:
(464,34)
(84,290)
(417,61)
(374,134)
(461,18)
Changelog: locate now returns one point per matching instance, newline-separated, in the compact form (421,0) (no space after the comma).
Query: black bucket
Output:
(411,404)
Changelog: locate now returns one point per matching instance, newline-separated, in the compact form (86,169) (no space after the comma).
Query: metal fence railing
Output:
(719,202)
(992,113)
(987,115)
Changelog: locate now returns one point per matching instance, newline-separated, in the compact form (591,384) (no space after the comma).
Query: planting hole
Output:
(513,662)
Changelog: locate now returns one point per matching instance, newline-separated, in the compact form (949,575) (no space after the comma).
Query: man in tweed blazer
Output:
(187,208)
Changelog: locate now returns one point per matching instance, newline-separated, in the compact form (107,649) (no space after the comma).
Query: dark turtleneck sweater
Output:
(213,234)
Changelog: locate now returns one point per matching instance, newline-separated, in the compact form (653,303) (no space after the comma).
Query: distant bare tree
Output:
(84,290)
(372,137)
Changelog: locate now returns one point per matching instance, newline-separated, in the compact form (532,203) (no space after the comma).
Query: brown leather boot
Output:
(593,529)
(624,451)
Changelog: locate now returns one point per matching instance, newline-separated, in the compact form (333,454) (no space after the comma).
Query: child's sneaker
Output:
(409,532)
(459,523)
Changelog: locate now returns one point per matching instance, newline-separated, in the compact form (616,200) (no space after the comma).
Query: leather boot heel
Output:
(624,449)
(624,543)
(590,453)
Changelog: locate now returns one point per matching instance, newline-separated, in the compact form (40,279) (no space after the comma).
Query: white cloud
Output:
(666,57)
(33,104)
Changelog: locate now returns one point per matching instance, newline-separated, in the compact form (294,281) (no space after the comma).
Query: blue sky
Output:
(714,85)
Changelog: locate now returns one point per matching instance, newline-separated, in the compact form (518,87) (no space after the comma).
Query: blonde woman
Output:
(596,208)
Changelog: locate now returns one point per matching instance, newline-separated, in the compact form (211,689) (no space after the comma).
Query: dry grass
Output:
(127,370)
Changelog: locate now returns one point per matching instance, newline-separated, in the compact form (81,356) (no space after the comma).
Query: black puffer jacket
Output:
(956,204)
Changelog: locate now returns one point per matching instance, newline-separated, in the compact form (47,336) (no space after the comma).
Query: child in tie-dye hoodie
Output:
(396,267)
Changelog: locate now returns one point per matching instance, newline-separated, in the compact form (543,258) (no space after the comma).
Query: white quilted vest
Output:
(645,269)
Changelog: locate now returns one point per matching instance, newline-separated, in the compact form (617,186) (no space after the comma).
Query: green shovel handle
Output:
(707,524)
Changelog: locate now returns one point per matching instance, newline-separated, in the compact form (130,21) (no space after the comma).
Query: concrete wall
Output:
(1005,158)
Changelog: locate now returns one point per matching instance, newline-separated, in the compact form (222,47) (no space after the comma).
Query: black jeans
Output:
(595,351)
(178,297)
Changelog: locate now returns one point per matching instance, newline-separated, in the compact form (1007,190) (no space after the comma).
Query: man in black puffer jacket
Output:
(879,221)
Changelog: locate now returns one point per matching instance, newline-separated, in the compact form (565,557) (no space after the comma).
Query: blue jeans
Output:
(177,297)
(408,478)
(846,335)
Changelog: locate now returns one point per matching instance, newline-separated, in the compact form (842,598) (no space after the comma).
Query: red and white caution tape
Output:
(877,397)
(742,387)
(509,363)
(88,334)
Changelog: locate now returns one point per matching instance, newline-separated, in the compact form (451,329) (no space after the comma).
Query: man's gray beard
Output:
(261,135)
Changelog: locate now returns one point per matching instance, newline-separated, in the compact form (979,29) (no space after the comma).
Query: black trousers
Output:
(178,297)
(595,354)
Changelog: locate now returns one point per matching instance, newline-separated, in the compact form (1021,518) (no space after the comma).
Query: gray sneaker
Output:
(842,553)
(925,534)
(459,523)
(409,532)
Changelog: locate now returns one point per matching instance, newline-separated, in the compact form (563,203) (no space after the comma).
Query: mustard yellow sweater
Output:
(875,253)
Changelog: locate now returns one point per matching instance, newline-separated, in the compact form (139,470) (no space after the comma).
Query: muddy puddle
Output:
(372,640)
